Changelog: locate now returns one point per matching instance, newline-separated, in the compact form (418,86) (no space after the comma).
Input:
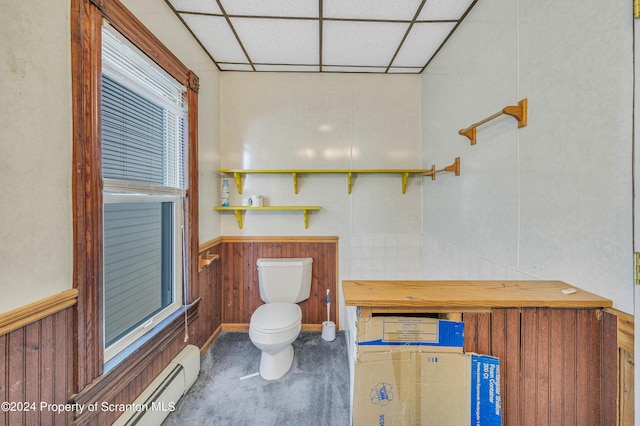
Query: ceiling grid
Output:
(365,36)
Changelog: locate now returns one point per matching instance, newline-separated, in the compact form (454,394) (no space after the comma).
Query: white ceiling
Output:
(373,36)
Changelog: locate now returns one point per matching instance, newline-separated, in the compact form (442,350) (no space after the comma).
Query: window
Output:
(144,139)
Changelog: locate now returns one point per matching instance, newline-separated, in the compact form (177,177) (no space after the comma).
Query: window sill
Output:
(144,339)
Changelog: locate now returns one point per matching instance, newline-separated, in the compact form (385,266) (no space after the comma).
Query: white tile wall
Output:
(445,261)
(381,257)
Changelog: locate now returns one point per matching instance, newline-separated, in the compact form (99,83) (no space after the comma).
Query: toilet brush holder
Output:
(329,331)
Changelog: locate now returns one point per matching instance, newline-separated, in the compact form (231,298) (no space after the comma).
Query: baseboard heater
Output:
(159,399)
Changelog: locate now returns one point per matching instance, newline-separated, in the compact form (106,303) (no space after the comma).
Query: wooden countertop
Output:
(467,294)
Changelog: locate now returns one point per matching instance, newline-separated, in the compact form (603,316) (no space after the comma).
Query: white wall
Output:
(551,200)
(36,252)
(330,121)
(163,23)
(36,230)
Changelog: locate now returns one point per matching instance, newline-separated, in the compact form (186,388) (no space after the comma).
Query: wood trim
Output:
(191,200)
(609,369)
(625,329)
(296,239)
(129,26)
(36,311)
(209,342)
(86,33)
(209,244)
(235,328)
(625,367)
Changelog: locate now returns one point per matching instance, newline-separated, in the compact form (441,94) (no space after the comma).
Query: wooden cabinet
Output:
(558,352)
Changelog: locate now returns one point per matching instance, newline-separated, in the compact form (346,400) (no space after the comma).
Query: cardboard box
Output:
(415,334)
(421,388)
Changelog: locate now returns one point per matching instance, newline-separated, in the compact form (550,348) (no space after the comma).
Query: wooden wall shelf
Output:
(238,174)
(239,210)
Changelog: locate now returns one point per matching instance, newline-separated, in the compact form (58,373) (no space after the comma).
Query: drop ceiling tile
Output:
(279,41)
(200,6)
(444,9)
(405,70)
(421,43)
(235,67)
(216,36)
(371,9)
(330,68)
(289,8)
(361,43)
(287,68)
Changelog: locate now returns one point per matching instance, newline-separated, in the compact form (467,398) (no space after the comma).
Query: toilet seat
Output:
(273,318)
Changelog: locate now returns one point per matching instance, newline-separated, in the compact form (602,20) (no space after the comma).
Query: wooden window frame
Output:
(86,41)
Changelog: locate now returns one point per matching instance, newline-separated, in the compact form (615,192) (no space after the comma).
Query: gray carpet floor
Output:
(315,391)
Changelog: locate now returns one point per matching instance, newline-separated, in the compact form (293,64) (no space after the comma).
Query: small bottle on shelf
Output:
(225,192)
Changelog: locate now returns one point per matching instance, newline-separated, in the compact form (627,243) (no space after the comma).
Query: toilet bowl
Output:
(273,329)
(283,283)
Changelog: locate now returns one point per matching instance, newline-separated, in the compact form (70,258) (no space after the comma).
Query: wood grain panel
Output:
(609,367)
(37,366)
(466,294)
(240,288)
(596,399)
(210,291)
(542,367)
(626,409)
(562,367)
(562,376)
(529,353)
(505,344)
(477,332)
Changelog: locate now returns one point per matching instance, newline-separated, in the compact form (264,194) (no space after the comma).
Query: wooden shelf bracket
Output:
(454,167)
(206,259)
(519,112)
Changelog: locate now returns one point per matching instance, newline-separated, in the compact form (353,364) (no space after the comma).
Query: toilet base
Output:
(274,366)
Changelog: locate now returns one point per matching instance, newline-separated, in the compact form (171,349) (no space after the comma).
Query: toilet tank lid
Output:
(284,261)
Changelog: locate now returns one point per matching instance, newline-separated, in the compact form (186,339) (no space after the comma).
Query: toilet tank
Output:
(284,279)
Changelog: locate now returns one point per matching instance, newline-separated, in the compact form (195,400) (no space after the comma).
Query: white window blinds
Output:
(144,171)
(144,140)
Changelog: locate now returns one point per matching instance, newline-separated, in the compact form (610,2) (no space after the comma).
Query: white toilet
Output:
(275,325)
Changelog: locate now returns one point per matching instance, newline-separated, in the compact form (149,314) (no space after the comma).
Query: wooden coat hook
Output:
(519,112)
(454,167)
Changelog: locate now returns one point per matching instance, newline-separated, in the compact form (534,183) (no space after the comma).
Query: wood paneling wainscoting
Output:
(37,360)
(558,366)
(228,285)
(240,291)
(209,290)
(37,342)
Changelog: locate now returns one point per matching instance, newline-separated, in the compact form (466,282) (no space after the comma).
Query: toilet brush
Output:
(328,327)
(328,306)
